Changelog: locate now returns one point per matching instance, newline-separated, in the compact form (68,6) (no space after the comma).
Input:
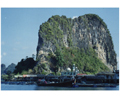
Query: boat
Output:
(58,84)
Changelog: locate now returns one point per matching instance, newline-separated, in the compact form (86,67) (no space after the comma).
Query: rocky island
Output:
(84,41)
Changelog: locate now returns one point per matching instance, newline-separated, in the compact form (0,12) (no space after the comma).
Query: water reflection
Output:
(76,88)
(35,87)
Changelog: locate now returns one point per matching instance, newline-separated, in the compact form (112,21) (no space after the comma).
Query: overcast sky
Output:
(19,28)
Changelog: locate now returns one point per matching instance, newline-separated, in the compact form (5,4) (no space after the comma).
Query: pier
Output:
(100,78)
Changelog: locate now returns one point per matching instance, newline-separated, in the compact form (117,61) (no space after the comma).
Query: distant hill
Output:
(11,68)
(3,67)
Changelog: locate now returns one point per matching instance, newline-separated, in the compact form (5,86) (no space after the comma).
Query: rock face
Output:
(83,32)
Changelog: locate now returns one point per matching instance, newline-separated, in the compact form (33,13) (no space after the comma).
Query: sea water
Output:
(35,87)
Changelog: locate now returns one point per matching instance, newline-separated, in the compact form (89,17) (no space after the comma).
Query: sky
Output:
(19,28)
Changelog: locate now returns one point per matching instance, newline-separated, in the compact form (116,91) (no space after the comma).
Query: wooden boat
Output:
(59,84)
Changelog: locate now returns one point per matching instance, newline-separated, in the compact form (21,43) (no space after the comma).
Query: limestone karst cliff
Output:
(85,32)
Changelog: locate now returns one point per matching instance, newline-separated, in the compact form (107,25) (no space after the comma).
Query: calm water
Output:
(35,87)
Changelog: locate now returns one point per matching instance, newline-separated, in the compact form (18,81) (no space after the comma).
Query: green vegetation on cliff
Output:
(94,16)
(53,29)
(86,61)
